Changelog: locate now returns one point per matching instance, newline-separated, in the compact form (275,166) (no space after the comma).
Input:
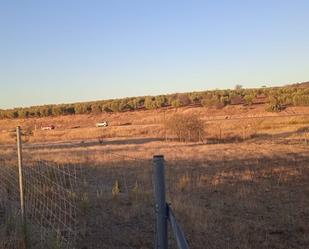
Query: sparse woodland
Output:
(276,98)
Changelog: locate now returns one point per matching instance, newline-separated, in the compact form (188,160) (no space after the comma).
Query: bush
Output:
(275,105)
(213,101)
(186,127)
(249,99)
(150,103)
(160,101)
(301,100)
(175,103)
(184,99)
(238,87)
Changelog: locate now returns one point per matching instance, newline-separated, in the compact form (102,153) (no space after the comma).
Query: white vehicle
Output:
(102,124)
(49,127)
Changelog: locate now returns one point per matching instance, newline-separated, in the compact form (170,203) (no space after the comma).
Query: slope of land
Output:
(276,98)
(244,186)
(231,120)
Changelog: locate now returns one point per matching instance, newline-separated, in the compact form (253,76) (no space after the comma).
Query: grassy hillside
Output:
(276,99)
(227,124)
(250,193)
(244,185)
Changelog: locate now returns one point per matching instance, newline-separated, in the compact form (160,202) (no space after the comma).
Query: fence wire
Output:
(10,220)
(51,203)
(51,196)
(117,203)
(107,205)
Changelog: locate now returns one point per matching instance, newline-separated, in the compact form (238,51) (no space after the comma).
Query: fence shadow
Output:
(219,203)
(236,203)
(90,143)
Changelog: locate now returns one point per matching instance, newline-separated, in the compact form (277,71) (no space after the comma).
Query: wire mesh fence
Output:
(107,200)
(101,203)
(10,220)
(50,195)
(117,204)
(51,203)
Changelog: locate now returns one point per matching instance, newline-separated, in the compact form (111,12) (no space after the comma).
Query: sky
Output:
(63,51)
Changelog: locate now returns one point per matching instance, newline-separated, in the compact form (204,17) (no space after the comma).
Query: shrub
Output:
(249,99)
(213,101)
(275,104)
(186,127)
(81,108)
(96,108)
(175,103)
(301,100)
(184,99)
(115,106)
(116,188)
(238,87)
(183,182)
(150,103)
(160,101)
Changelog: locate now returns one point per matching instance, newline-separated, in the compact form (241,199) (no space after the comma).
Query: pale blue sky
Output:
(59,51)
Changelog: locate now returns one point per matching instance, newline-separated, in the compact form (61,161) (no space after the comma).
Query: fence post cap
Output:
(158,157)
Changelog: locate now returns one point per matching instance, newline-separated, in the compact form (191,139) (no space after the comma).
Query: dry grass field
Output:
(245,186)
(231,121)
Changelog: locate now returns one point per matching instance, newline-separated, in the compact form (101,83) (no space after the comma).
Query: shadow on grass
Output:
(90,143)
(256,202)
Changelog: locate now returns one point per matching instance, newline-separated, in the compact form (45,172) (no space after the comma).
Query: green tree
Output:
(184,99)
(96,108)
(238,87)
(249,99)
(115,106)
(176,103)
(150,103)
(82,108)
(160,101)
(275,104)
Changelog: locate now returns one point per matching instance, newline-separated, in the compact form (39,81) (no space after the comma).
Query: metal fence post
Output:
(160,203)
(20,173)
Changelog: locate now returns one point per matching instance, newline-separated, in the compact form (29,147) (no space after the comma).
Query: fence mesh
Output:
(105,201)
(51,196)
(117,204)
(10,221)
(51,203)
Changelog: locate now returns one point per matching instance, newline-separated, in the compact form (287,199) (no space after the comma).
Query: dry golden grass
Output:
(228,195)
(247,186)
(231,122)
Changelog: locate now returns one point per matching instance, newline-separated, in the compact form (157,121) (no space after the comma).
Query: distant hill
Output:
(300,85)
(274,99)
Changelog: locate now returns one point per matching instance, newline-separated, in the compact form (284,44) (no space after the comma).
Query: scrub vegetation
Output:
(237,175)
(276,98)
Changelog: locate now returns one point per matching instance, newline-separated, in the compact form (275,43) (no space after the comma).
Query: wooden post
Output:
(20,173)
(160,203)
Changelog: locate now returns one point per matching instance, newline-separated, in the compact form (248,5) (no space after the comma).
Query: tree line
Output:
(276,99)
